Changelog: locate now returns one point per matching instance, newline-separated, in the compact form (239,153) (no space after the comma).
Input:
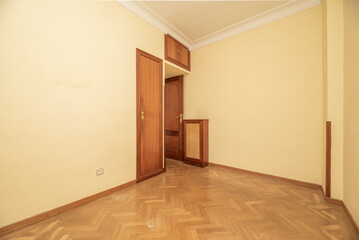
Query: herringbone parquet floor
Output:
(189,202)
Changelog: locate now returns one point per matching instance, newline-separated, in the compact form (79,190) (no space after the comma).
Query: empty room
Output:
(179,119)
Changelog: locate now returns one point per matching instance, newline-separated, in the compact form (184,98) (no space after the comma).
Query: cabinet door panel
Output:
(193,140)
(196,142)
(177,53)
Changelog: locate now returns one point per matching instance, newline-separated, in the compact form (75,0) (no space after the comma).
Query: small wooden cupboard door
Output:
(196,142)
(149,116)
(177,53)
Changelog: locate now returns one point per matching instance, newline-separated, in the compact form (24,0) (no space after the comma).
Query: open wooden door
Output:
(149,116)
(174,118)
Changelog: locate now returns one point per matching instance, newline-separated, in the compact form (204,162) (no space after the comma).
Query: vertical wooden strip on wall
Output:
(328,159)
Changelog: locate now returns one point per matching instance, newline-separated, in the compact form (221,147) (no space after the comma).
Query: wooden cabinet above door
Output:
(177,53)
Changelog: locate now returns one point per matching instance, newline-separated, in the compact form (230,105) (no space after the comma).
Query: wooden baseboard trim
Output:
(181,160)
(45,215)
(334,201)
(296,182)
(346,210)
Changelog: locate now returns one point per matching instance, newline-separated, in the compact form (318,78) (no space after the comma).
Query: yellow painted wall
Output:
(335,90)
(262,91)
(351,107)
(67,101)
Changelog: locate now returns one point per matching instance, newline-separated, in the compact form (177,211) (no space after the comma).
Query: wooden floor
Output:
(189,202)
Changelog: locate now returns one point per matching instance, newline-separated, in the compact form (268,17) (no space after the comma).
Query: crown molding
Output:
(154,19)
(284,10)
(271,15)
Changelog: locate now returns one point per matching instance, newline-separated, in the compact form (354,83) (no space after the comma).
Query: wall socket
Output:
(99,171)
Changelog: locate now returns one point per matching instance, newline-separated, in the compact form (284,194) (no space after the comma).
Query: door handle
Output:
(142,115)
(180,118)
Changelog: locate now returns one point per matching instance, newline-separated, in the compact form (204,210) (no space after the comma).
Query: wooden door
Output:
(149,116)
(174,118)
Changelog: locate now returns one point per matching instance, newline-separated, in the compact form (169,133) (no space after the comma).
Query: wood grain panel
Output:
(172,133)
(149,115)
(172,142)
(183,57)
(177,53)
(173,120)
(171,106)
(193,140)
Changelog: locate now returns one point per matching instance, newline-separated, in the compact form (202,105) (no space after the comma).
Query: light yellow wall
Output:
(335,91)
(262,91)
(351,106)
(67,101)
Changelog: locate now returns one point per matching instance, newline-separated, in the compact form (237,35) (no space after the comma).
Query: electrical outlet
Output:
(99,171)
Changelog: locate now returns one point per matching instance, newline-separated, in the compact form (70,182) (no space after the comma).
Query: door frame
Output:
(139,177)
(180,134)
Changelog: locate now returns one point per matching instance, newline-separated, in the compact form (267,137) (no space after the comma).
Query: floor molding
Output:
(42,216)
(300,183)
(45,215)
(346,210)
(334,201)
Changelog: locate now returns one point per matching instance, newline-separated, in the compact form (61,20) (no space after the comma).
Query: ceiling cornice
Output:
(284,10)
(154,19)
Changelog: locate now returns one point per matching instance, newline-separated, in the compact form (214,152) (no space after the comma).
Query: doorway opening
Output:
(173,112)
(173,131)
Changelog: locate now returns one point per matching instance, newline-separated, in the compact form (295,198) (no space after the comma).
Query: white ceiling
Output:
(199,23)
(196,20)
